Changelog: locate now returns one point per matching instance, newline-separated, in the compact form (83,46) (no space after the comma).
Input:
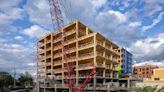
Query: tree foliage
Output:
(6,79)
(25,78)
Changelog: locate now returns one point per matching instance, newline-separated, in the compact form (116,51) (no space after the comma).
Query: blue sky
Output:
(137,25)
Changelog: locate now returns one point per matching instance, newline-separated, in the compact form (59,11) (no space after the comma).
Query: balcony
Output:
(41,45)
(40,51)
(115,60)
(108,67)
(100,65)
(59,70)
(40,72)
(48,70)
(58,77)
(57,39)
(70,59)
(86,45)
(48,41)
(48,56)
(99,54)
(72,40)
(108,75)
(100,43)
(117,53)
(57,47)
(108,58)
(48,63)
(70,32)
(86,55)
(70,50)
(40,59)
(48,48)
(58,55)
(57,62)
(85,65)
(40,66)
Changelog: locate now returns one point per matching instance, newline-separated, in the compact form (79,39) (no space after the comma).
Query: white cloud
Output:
(110,18)
(31,64)
(16,56)
(151,48)
(35,31)
(38,11)
(151,62)
(98,3)
(135,24)
(18,37)
(155,21)
(9,12)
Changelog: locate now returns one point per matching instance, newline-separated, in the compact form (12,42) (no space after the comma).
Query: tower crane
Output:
(58,24)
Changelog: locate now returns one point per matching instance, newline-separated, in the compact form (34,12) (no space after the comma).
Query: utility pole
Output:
(14,77)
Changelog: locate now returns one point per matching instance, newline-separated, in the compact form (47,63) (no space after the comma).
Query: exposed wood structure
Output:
(86,48)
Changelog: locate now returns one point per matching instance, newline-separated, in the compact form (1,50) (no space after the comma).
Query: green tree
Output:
(5,80)
(25,79)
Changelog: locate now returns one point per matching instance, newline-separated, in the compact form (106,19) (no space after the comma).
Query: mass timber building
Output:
(84,48)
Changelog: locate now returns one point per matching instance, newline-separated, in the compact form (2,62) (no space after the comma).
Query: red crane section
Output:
(58,24)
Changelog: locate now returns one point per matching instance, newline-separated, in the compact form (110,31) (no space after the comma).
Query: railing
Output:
(107,75)
(69,32)
(99,54)
(108,57)
(48,41)
(40,45)
(86,44)
(70,40)
(86,55)
(107,47)
(100,65)
(48,56)
(71,49)
(57,39)
(58,55)
(108,66)
(40,51)
(40,66)
(48,63)
(85,65)
(40,72)
(115,52)
(59,70)
(99,73)
(57,62)
(48,70)
(57,47)
(48,48)
(58,77)
(115,60)
(71,58)
(100,43)
(40,58)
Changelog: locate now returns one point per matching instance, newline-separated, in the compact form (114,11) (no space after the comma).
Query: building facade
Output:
(125,61)
(157,79)
(84,48)
(144,71)
(158,75)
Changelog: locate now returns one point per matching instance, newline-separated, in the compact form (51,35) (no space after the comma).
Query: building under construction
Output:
(85,50)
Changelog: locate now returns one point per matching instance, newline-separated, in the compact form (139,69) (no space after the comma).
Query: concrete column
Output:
(87,31)
(77,72)
(94,83)
(128,83)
